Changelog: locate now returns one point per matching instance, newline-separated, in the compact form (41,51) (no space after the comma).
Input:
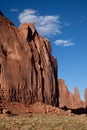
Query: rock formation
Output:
(66,98)
(85,95)
(63,94)
(28,71)
(76,98)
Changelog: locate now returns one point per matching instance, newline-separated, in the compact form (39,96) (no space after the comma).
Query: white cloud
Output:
(14,10)
(67,24)
(46,25)
(64,43)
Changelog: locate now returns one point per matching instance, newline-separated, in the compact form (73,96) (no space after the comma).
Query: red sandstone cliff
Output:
(28,71)
(66,98)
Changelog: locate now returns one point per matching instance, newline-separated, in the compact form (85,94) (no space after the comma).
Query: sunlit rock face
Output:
(85,96)
(28,71)
(67,99)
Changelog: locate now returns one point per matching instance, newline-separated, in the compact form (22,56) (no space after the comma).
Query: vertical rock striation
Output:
(67,99)
(28,71)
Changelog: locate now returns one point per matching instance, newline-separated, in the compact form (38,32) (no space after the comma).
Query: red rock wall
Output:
(66,98)
(28,71)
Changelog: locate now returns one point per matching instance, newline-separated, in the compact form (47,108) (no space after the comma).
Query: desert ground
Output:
(43,122)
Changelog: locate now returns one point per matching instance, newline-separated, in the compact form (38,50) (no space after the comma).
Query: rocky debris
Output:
(28,71)
(67,99)
(16,108)
(41,108)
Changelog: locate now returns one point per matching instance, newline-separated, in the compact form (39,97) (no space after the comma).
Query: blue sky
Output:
(64,22)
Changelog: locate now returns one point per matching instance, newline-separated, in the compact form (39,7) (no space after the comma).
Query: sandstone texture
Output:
(28,71)
(66,98)
(85,95)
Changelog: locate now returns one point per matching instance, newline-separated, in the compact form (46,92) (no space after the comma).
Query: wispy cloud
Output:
(46,25)
(67,24)
(64,43)
(14,10)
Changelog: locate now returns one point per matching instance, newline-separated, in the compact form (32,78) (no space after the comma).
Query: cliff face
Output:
(28,71)
(66,98)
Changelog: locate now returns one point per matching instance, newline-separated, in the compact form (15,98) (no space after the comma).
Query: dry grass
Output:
(43,122)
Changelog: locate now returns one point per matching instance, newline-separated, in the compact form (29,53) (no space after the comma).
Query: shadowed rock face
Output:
(67,99)
(28,71)
(1,13)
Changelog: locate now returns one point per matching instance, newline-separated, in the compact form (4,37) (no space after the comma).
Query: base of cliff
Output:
(15,108)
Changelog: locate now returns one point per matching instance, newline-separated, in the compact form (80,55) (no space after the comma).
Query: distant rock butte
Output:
(28,71)
(67,99)
(85,95)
